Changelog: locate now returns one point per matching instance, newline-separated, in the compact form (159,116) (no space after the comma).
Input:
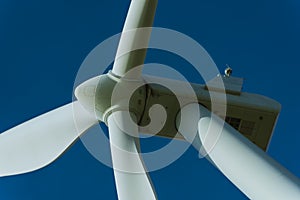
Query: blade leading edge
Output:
(253,171)
(135,37)
(39,141)
(132,180)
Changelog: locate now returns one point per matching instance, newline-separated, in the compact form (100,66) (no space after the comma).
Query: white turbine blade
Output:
(140,14)
(255,173)
(132,180)
(39,141)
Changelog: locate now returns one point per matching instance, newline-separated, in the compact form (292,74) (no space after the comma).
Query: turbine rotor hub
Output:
(105,94)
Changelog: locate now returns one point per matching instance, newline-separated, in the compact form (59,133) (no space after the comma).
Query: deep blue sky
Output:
(42,44)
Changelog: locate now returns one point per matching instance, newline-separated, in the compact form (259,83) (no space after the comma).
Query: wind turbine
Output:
(27,134)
